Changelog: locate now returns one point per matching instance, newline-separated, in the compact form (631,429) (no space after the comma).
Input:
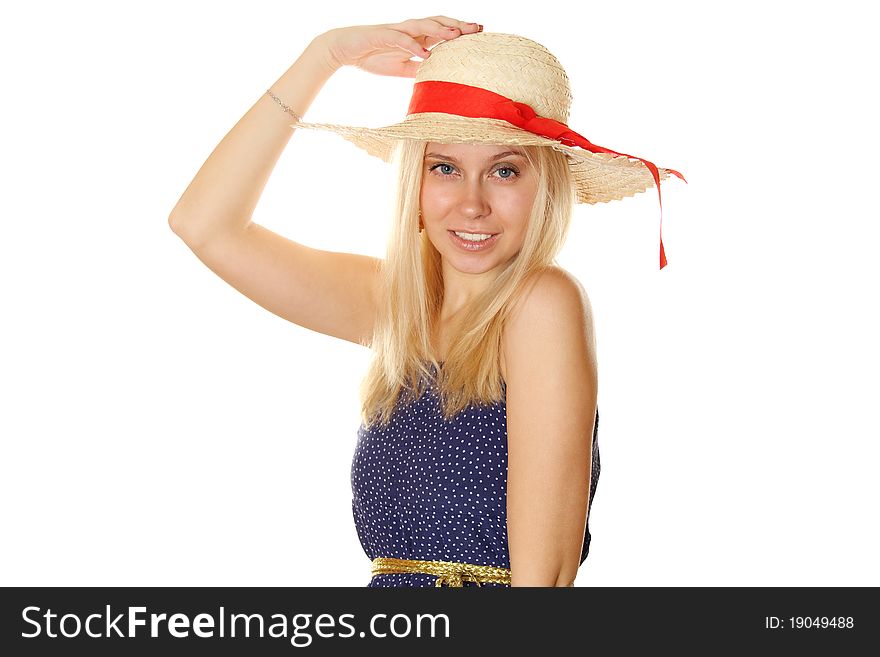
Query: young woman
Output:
(477,458)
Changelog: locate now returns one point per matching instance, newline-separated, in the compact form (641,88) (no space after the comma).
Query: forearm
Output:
(227,187)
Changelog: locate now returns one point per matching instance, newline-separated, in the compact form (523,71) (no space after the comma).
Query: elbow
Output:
(561,573)
(175,224)
(543,580)
(567,574)
(540,583)
(186,231)
(183,218)
(179,224)
(196,232)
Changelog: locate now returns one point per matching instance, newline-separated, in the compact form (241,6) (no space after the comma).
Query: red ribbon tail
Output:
(656,174)
(657,181)
(572,138)
(676,173)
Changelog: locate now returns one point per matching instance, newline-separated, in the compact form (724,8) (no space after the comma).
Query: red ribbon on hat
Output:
(476,102)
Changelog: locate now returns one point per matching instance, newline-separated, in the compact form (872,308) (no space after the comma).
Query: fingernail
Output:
(479,28)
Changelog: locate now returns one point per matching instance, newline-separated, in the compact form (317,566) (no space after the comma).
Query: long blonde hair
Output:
(412,295)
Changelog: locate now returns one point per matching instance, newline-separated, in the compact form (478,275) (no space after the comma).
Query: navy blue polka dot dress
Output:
(427,489)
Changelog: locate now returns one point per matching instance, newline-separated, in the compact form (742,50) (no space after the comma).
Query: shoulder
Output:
(552,312)
(551,289)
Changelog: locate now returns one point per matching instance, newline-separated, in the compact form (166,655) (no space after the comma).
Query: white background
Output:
(159,428)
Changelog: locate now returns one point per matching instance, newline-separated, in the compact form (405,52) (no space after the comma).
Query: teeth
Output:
(473,237)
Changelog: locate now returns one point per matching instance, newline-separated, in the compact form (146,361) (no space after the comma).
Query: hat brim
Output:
(598,177)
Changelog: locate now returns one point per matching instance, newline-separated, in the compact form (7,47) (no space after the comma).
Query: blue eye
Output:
(513,170)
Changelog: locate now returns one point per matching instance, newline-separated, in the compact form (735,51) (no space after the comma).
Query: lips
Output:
(467,245)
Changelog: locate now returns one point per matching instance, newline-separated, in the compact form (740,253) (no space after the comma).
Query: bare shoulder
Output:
(551,288)
(552,312)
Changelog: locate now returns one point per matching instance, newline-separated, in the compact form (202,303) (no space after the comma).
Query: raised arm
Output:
(222,196)
(332,293)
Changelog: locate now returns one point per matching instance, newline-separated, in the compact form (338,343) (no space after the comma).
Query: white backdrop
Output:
(159,428)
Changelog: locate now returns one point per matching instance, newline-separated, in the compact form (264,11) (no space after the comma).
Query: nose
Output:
(473,203)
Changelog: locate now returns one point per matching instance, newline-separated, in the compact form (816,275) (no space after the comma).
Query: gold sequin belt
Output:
(451,572)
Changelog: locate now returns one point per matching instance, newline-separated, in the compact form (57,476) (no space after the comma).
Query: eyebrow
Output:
(441,156)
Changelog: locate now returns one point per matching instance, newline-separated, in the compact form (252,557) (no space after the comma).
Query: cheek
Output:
(519,208)
(430,195)
(436,190)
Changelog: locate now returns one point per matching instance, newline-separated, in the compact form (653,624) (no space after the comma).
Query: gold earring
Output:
(421,225)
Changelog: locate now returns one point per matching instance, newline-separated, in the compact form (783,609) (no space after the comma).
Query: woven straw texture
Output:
(519,69)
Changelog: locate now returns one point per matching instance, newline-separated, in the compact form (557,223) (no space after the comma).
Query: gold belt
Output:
(451,572)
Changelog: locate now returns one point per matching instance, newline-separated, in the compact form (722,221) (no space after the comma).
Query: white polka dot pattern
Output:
(424,488)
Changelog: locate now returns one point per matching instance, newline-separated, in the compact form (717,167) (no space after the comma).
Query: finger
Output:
(408,43)
(410,68)
(462,26)
(426,29)
(446,34)
(430,42)
(437,29)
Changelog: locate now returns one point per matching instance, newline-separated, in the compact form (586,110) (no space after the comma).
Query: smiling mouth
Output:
(467,232)
(474,244)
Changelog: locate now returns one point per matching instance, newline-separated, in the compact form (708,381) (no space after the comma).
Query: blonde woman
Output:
(477,457)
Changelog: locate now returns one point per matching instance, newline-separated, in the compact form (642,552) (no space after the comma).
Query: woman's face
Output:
(477,189)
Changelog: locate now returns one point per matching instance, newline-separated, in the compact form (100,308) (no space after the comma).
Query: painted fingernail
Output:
(479,28)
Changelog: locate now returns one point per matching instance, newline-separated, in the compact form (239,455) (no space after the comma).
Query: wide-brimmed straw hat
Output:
(494,88)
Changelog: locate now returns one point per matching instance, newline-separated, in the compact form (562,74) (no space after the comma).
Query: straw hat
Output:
(493,88)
